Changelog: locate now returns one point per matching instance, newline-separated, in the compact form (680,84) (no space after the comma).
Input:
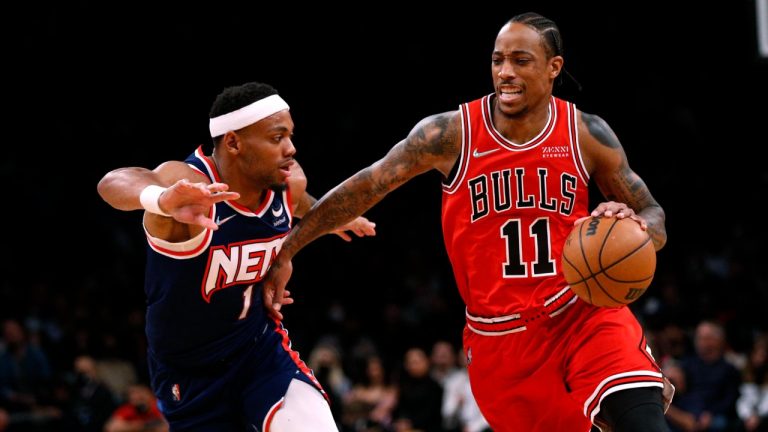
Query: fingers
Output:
(224,196)
(617,210)
(343,235)
(612,209)
(368,228)
(205,222)
(217,187)
(580,220)
(268,296)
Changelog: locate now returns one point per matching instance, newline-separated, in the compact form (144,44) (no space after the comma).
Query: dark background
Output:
(93,88)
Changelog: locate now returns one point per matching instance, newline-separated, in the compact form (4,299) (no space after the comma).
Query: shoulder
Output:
(442,125)
(436,141)
(172,171)
(594,128)
(600,147)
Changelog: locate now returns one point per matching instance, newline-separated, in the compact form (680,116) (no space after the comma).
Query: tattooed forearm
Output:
(305,203)
(629,188)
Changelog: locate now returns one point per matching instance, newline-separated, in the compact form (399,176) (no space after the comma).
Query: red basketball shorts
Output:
(552,376)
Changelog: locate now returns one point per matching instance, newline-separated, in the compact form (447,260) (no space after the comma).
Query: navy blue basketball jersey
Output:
(204,295)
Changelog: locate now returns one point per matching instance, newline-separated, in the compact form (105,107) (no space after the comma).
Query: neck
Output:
(523,126)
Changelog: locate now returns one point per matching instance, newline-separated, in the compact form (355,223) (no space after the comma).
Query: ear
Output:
(555,66)
(230,142)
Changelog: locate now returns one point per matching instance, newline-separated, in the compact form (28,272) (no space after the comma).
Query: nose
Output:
(289,149)
(506,70)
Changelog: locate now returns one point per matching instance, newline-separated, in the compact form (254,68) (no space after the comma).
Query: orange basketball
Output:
(608,262)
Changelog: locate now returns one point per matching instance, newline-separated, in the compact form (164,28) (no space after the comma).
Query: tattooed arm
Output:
(627,193)
(434,143)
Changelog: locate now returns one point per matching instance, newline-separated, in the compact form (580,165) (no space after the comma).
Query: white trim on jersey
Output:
(199,154)
(182,250)
(573,132)
(287,206)
(565,306)
(302,409)
(620,387)
(493,320)
(497,333)
(466,144)
(542,136)
(607,381)
(554,298)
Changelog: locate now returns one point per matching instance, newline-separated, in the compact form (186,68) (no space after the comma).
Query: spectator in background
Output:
(325,361)
(369,405)
(752,404)
(91,402)
(443,360)
(707,395)
(25,380)
(420,397)
(139,414)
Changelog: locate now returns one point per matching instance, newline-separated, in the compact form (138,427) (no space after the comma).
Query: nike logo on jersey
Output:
(278,212)
(221,222)
(478,154)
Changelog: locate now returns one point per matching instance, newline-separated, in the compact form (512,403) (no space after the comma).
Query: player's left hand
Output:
(361,227)
(615,209)
(273,290)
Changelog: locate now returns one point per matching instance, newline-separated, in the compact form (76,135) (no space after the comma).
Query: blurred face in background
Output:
(416,363)
(709,341)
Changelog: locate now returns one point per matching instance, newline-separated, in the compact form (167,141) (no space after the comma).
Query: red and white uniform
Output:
(540,358)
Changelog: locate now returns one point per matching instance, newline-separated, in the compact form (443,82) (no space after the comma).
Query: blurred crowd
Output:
(389,356)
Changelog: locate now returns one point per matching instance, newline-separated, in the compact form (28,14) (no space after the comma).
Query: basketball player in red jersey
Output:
(516,165)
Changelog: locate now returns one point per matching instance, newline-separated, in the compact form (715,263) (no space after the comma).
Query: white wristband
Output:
(150,199)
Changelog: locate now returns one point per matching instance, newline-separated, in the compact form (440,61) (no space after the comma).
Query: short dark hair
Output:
(550,33)
(236,97)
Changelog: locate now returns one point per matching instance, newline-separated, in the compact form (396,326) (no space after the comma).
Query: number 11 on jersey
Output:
(514,267)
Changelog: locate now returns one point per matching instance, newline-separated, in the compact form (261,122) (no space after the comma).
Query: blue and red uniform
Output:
(216,359)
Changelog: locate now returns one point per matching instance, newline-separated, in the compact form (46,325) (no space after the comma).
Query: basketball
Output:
(608,262)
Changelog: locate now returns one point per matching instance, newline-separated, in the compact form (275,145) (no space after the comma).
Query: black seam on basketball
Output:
(570,263)
(629,254)
(602,246)
(608,294)
(581,248)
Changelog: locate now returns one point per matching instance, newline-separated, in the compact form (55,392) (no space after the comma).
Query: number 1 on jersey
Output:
(246,302)
(514,267)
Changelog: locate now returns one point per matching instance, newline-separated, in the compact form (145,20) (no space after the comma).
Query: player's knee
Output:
(634,410)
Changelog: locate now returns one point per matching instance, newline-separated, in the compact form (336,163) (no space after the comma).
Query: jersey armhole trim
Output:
(182,250)
(573,132)
(450,185)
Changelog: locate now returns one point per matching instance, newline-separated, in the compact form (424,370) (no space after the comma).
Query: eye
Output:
(496,61)
(522,61)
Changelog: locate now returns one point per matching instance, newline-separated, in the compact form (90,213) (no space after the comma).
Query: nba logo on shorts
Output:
(469,356)
(176,392)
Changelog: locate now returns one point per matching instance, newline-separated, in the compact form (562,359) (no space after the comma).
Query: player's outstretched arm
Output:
(361,226)
(627,193)
(179,192)
(434,143)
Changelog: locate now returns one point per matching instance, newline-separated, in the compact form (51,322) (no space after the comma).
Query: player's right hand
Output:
(273,292)
(191,203)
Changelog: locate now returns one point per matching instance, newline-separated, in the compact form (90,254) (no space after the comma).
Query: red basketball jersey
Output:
(508,208)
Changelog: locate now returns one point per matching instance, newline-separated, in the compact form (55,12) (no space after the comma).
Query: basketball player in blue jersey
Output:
(214,223)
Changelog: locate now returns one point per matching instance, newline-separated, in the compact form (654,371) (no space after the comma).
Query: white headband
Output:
(246,115)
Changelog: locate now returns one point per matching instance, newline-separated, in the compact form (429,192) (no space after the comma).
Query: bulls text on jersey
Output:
(496,189)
